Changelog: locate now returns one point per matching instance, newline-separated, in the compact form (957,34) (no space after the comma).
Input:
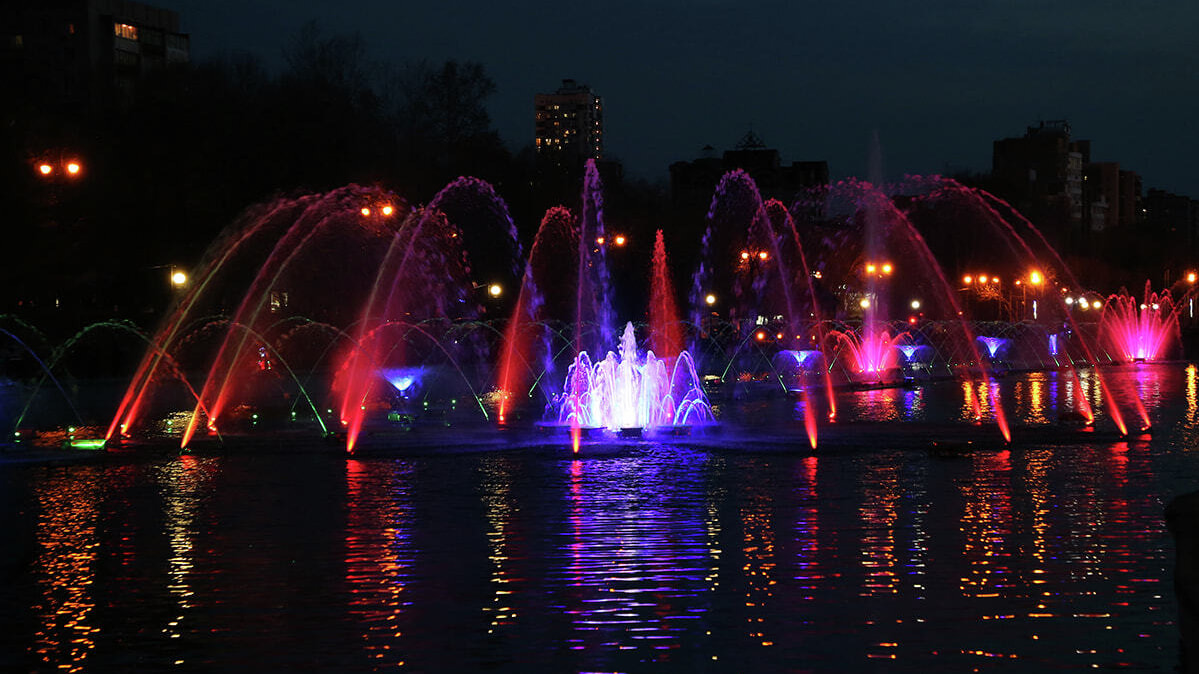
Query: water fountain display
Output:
(1143,330)
(356,316)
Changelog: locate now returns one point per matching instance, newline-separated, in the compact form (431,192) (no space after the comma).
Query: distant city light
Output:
(745,255)
(45,169)
(1190,277)
(599,240)
(619,240)
(388,210)
(915,304)
(967,279)
(73,168)
(887,268)
(870,269)
(865,303)
(365,211)
(1097,304)
(710,299)
(762,255)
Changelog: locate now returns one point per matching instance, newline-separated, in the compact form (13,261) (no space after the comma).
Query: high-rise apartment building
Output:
(1041,173)
(569,125)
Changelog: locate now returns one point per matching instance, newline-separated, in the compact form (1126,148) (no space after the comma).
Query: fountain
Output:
(1140,331)
(356,316)
(630,390)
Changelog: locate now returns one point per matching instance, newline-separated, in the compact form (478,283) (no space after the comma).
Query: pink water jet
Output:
(1144,330)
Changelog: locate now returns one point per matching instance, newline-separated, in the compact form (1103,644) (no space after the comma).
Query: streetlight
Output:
(915,305)
(495,290)
(709,299)
(619,240)
(178,278)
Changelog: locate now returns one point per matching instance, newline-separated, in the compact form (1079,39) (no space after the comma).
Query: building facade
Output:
(569,125)
(1041,174)
(69,58)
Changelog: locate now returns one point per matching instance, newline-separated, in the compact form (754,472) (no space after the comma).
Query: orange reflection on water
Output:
(1031,399)
(182,484)
(758,569)
(986,526)
(378,553)
(879,512)
(1192,395)
(64,569)
(498,502)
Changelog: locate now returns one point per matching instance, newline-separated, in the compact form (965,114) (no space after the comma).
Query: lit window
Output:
(125,30)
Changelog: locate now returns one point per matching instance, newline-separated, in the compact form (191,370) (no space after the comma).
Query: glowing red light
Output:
(760,336)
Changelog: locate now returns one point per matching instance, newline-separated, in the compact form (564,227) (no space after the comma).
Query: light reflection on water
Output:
(1025,559)
(64,570)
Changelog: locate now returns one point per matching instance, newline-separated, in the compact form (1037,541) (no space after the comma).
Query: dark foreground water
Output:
(679,557)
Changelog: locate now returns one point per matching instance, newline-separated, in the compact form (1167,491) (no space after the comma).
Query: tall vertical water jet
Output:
(594,304)
(666,335)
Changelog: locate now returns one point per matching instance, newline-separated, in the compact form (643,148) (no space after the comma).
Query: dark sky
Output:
(938,80)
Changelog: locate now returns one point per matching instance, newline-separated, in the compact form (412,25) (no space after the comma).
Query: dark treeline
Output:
(168,165)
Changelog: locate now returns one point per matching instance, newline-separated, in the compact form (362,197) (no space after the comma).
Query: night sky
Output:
(938,81)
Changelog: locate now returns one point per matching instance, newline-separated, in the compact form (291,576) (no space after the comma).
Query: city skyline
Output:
(937,84)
